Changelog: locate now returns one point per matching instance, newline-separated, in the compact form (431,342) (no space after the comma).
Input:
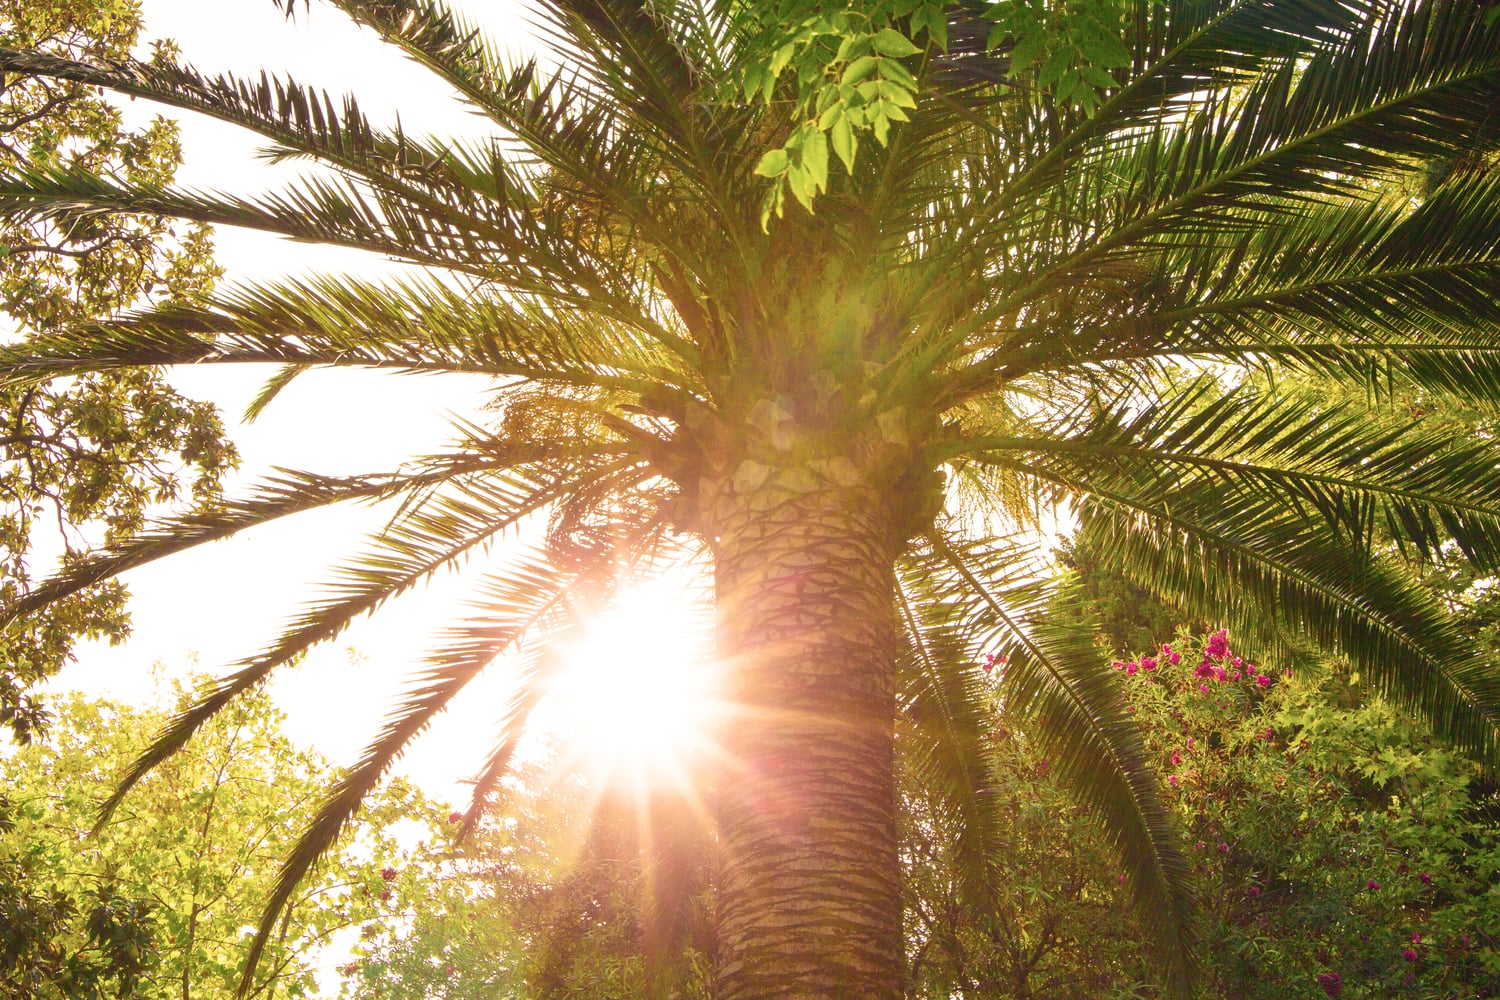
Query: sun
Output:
(633,702)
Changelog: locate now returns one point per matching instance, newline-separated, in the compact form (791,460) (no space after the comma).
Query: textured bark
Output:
(809,883)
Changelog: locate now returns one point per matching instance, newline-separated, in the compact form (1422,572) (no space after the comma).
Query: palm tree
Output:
(857,411)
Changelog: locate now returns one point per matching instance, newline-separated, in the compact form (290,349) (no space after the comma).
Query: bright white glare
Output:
(633,703)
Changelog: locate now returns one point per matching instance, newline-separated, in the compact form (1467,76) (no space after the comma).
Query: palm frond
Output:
(402,324)
(439,533)
(1070,701)
(528,597)
(1362,608)
(1320,462)
(1247,557)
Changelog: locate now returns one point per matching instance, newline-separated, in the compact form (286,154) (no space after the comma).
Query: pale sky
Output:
(224,601)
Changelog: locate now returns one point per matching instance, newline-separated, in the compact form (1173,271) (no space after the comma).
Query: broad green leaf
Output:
(889,42)
(844,142)
(858,70)
(774,163)
(815,158)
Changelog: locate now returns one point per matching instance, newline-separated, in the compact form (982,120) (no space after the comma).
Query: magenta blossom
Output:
(1263,681)
(1131,668)
(1172,780)
(388,873)
(1416,939)
(1203,688)
(1253,892)
(454,817)
(1174,658)
(1176,758)
(1372,885)
(1426,878)
(1218,644)
(1332,983)
(1408,954)
(1148,663)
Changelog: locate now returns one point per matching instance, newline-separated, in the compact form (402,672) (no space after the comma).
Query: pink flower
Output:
(387,873)
(1235,676)
(1372,885)
(1464,940)
(1203,688)
(1129,709)
(1238,662)
(1218,644)
(1190,743)
(1223,847)
(1263,681)
(1174,658)
(1148,663)
(1172,780)
(1117,664)
(1253,892)
(1176,758)
(385,894)
(1416,939)
(1130,669)
(1270,733)
(1332,983)
(455,817)
(1122,878)
(1219,674)
(1200,845)
(1408,954)
(1205,668)
(1166,648)
(1426,878)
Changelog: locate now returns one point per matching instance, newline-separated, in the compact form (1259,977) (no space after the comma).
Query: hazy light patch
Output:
(634,703)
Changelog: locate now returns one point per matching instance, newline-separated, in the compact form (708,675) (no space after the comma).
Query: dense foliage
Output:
(155,905)
(83,460)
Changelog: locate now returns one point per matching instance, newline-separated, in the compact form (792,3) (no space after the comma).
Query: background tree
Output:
(560,900)
(155,905)
(81,462)
(853,410)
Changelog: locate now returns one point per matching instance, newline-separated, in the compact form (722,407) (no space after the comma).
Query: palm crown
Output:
(855,409)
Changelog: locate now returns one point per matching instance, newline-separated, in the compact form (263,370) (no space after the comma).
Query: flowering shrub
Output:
(1339,848)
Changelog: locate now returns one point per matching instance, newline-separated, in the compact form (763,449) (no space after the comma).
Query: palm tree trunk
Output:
(809,884)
